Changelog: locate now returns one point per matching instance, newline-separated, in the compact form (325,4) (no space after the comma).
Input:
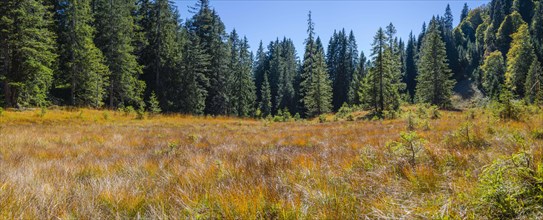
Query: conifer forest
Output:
(124,109)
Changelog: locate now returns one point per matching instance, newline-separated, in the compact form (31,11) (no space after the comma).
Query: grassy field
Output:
(88,164)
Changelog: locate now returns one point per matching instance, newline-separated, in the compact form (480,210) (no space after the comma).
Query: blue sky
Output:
(268,19)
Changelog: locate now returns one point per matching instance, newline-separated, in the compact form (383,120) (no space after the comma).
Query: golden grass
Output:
(90,164)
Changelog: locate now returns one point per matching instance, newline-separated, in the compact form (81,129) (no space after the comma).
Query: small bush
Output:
(154,105)
(467,136)
(512,188)
(537,133)
(409,147)
(344,111)
(322,118)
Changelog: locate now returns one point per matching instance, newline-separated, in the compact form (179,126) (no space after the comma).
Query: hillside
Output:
(89,164)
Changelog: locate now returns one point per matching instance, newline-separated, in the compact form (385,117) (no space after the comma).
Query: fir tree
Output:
(194,83)
(380,88)
(266,100)
(318,90)
(519,59)
(27,52)
(465,11)
(494,74)
(84,66)
(209,28)
(115,37)
(411,67)
(534,94)
(259,70)
(358,76)
(434,85)
(509,26)
(536,30)
(242,91)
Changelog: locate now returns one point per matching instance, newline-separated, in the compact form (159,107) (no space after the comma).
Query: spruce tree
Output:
(259,70)
(509,26)
(84,68)
(465,11)
(242,89)
(519,59)
(356,81)
(380,88)
(534,94)
(207,25)
(434,85)
(161,54)
(27,52)
(194,83)
(411,67)
(266,100)
(536,30)
(493,74)
(115,36)
(318,90)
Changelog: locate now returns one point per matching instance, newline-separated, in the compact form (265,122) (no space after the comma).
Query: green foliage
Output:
(154,106)
(467,136)
(28,55)
(344,111)
(494,74)
(532,87)
(410,147)
(242,88)
(266,99)
(511,187)
(519,60)
(381,85)
(434,85)
(507,108)
(115,36)
(322,118)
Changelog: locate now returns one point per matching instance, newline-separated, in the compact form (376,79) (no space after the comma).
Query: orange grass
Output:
(90,164)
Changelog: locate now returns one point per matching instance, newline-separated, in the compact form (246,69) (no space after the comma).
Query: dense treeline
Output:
(120,53)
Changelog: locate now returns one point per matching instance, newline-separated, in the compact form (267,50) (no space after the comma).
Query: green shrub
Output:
(322,118)
(537,133)
(344,111)
(510,188)
(467,136)
(409,147)
(154,105)
(1,111)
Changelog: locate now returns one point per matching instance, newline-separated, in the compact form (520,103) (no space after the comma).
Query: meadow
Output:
(90,164)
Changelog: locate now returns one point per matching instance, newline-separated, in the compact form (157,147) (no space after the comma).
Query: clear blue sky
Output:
(268,19)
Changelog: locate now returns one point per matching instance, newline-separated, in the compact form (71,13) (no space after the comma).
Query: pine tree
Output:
(115,37)
(434,85)
(465,11)
(380,88)
(161,55)
(194,83)
(27,52)
(519,59)
(318,90)
(259,70)
(358,76)
(266,100)
(242,91)
(411,66)
(494,74)
(536,30)
(509,26)
(534,94)
(83,64)
(207,25)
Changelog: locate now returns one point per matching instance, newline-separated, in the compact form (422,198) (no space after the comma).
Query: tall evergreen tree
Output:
(161,54)
(380,88)
(465,11)
(318,89)
(207,25)
(534,94)
(434,85)
(536,30)
(115,36)
(27,52)
(411,66)
(193,85)
(83,64)
(259,70)
(509,26)
(358,76)
(494,74)
(266,100)
(519,59)
(242,89)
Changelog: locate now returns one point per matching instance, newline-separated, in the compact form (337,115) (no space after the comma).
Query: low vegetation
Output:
(89,164)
